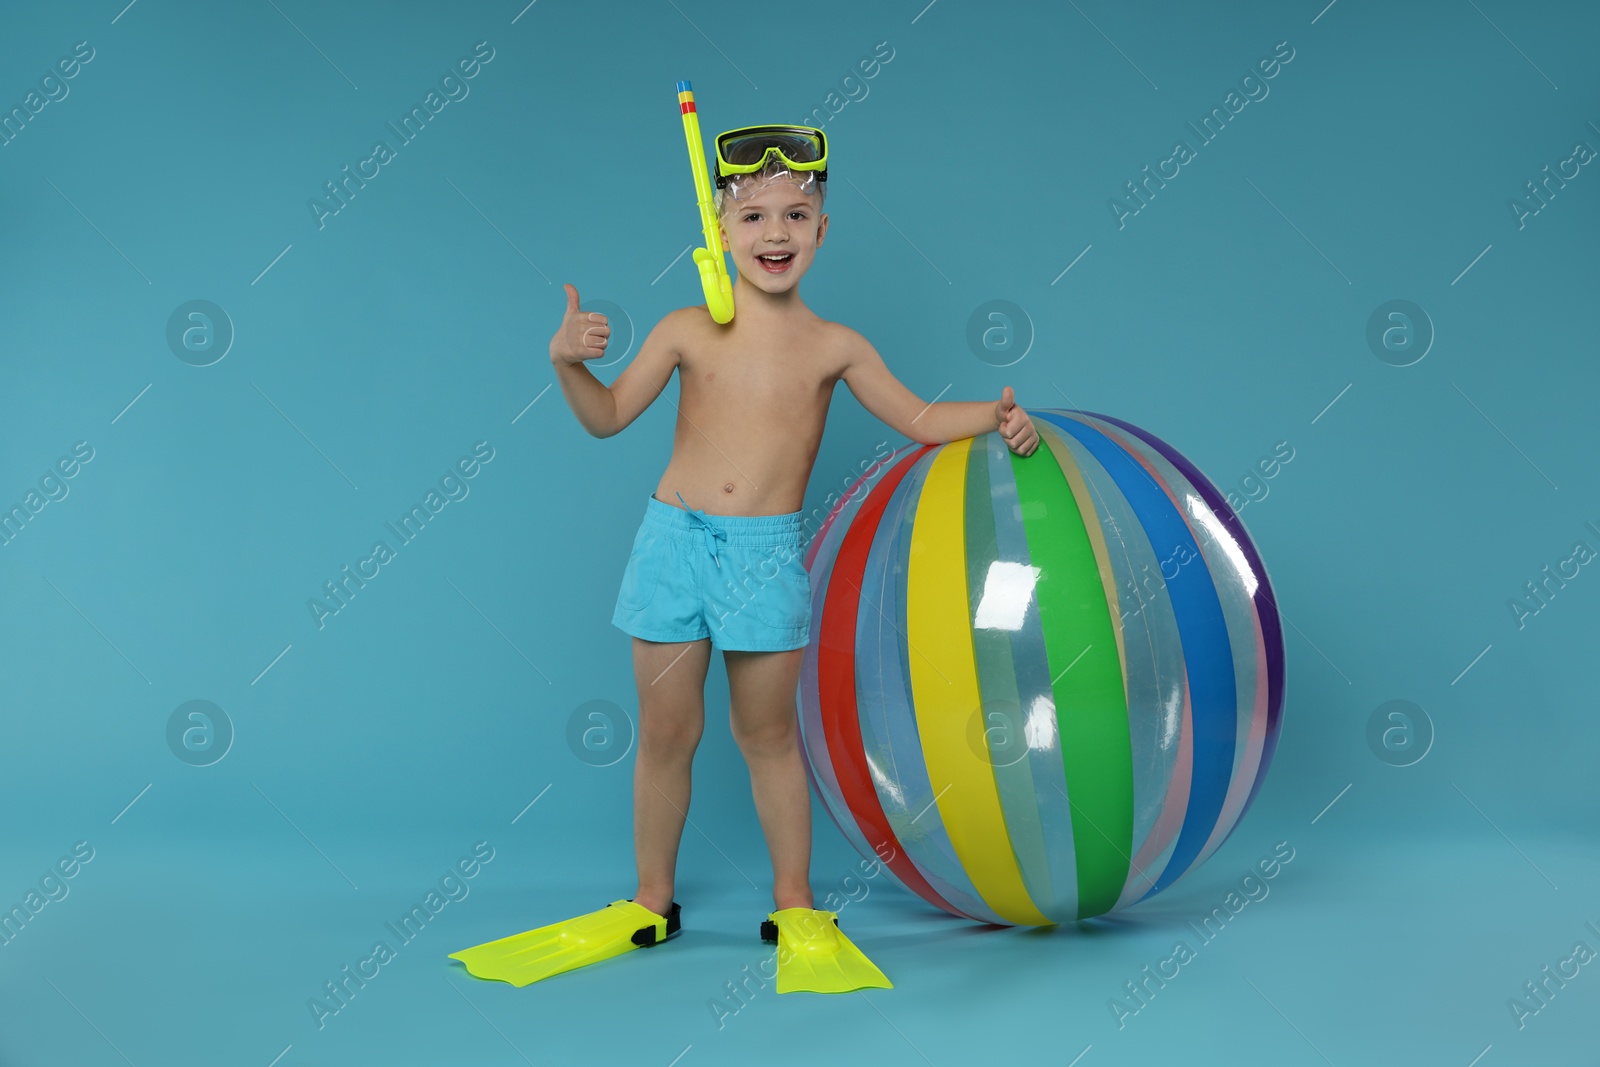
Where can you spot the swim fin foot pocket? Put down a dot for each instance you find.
(814, 955)
(525, 958)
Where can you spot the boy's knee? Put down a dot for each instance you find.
(670, 738)
(773, 736)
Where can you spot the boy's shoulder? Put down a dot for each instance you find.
(682, 325)
(844, 343)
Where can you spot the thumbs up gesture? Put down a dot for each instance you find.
(582, 334)
(1014, 425)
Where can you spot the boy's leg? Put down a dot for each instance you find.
(765, 722)
(671, 681)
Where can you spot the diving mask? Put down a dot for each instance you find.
(752, 157)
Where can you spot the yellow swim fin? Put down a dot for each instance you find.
(814, 956)
(524, 958)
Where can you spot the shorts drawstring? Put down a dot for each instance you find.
(710, 529)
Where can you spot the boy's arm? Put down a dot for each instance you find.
(881, 393)
(604, 411)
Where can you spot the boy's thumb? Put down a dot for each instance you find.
(572, 296)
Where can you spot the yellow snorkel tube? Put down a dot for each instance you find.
(713, 268)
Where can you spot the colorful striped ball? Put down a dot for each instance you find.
(1039, 688)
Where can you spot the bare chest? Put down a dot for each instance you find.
(774, 375)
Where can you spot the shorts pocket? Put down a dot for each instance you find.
(784, 601)
(643, 573)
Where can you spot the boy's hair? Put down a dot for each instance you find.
(772, 169)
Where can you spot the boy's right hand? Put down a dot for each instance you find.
(582, 335)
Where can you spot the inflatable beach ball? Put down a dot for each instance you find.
(1043, 688)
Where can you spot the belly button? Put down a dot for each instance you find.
(728, 488)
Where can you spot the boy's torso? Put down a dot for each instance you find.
(751, 410)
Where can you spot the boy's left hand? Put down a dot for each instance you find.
(1015, 427)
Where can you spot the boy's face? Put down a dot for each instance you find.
(774, 235)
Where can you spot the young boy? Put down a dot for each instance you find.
(725, 516)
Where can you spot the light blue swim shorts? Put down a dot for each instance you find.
(737, 579)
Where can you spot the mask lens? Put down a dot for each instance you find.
(744, 186)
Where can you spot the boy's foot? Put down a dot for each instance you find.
(814, 956)
(527, 957)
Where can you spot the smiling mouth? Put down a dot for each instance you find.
(775, 262)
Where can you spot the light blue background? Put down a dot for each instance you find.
(369, 755)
